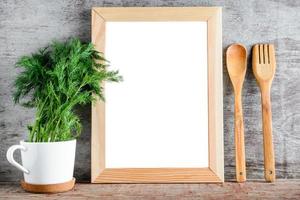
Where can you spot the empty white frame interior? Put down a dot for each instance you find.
(158, 116)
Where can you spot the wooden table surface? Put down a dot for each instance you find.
(282, 189)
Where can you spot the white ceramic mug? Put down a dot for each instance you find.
(45, 162)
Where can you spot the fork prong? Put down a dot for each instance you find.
(272, 54)
(261, 54)
(255, 51)
(266, 53)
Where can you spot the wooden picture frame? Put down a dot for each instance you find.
(215, 171)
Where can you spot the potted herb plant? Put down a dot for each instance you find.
(53, 81)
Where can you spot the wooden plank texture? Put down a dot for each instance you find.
(26, 26)
(249, 190)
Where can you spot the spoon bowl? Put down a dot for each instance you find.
(236, 57)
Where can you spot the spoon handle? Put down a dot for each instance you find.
(239, 139)
(267, 135)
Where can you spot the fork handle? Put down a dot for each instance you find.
(269, 160)
(240, 162)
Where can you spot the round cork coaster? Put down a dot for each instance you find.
(50, 188)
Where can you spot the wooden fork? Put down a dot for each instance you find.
(264, 65)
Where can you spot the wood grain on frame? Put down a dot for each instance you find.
(215, 171)
(215, 94)
(98, 108)
(157, 175)
(156, 13)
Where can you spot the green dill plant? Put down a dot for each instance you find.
(55, 80)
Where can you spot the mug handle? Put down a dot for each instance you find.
(11, 160)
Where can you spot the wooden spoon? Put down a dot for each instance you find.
(236, 57)
(264, 65)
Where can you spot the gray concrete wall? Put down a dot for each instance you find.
(26, 25)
